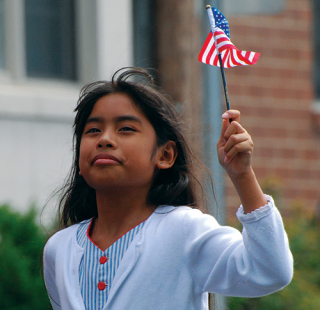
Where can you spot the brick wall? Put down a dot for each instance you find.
(275, 98)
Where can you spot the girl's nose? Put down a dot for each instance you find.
(101, 145)
(106, 141)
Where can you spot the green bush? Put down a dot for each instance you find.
(304, 290)
(21, 244)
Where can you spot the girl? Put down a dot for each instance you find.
(130, 239)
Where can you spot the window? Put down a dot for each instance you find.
(50, 39)
(237, 7)
(38, 39)
(144, 33)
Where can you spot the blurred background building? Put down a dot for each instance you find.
(50, 48)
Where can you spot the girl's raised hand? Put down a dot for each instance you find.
(235, 145)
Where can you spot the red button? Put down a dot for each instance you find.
(103, 260)
(101, 286)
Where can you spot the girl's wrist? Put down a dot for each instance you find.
(244, 176)
(249, 190)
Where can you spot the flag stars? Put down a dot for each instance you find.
(221, 21)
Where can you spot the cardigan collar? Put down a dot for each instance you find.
(130, 257)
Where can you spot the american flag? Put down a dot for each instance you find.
(230, 55)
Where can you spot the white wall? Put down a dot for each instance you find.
(35, 142)
(36, 116)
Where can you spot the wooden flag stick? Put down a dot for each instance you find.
(224, 81)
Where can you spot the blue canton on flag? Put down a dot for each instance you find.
(221, 22)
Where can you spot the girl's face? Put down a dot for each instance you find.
(118, 146)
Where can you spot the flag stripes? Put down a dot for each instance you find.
(231, 56)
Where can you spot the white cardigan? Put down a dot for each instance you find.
(179, 255)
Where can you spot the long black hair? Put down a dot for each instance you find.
(175, 186)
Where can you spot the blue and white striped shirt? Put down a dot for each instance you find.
(98, 268)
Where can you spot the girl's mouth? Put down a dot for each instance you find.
(105, 159)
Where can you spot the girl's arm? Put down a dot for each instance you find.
(235, 149)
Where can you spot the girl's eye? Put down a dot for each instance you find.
(127, 128)
(93, 130)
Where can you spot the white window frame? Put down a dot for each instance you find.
(316, 106)
(14, 45)
(104, 44)
(104, 40)
(15, 49)
(22, 97)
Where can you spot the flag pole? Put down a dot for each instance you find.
(224, 81)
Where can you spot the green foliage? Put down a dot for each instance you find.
(304, 290)
(21, 244)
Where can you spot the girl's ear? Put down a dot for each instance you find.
(168, 155)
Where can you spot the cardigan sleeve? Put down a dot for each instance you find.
(223, 261)
(49, 274)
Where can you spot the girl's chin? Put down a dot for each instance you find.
(105, 184)
(114, 185)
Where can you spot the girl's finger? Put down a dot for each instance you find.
(232, 114)
(242, 147)
(234, 128)
(225, 124)
(236, 139)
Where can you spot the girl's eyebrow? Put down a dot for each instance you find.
(94, 120)
(117, 119)
(123, 118)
